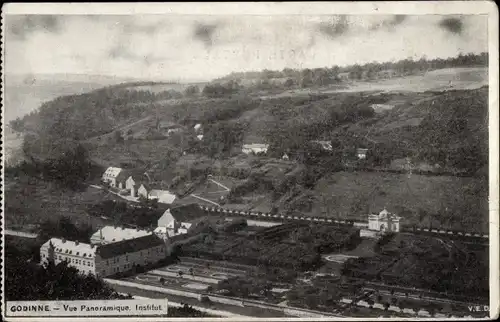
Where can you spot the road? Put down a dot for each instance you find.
(220, 184)
(206, 200)
(249, 311)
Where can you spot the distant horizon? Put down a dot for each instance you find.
(190, 81)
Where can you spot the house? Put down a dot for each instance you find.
(121, 179)
(197, 127)
(134, 182)
(325, 145)
(285, 157)
(199, 137)
(163, 196)
(361, 153)
(144, 190)
(384, 222)
(179, 220)
(254, 148)
(112, 234)
(110, 176)
(344, 76)
(105, 260)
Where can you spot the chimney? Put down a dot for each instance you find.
(76, 243)
(63, 240)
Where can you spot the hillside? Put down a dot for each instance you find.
(25, 93)
(443, 131)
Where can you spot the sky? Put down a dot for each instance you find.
(200, 48)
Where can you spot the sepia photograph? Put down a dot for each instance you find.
(272, 161)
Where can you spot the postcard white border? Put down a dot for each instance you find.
(317, 8)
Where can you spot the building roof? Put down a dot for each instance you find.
(362, 150)
(163, 196)
(112, 171)
(186, 213)
(123, 176)
(128, 246)
(384, 214)
(197, 126)
(71, 247)
(115, 234)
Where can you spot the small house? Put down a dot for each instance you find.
(384, 222)
(134, 182)
(110, 176)
(121, 179)
(379, 108)
(285, 157)
(361, 153)
(199, 137)
(179, 220)
(255, 148)
(197, 127)
(144, 190)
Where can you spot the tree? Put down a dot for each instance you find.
(191, 90)
(401, 305)
(28, 281)
(289, 83)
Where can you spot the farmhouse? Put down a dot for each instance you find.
(144, 190)
(179, 220)
(344, 76)
(134, 182)
(384, 222)
(111, 234)
(254, 148)
(121, 179)
(110, 176)
(361, 153)
(107, 259)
